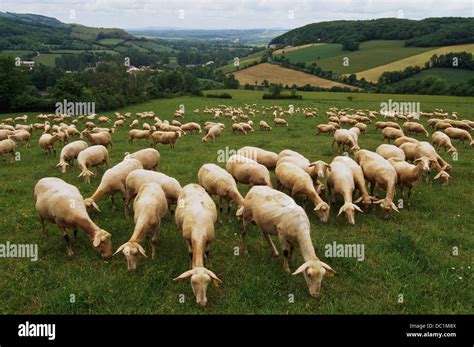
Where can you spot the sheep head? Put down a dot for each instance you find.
(349, 209)
(320, 167)
(314, 272)
(62, 165)
(322, 210)
(387, 205)
(87, 175)
(132, 251)
(444, 176)
(425, 164)
(200, 279)
(90, 203)
(102, 242)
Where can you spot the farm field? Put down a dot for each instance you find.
(373, 74)
(244, 62)
(370, 55)
(295, 48)
(450, 75)
(410, 253)
(255, 75)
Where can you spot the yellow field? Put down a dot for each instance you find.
(373, 75)
(277, 74)
(291, 49)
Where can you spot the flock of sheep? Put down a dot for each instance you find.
(153, 193)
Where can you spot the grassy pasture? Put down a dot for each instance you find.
(409, 254)
(451, 76)
(244, 62)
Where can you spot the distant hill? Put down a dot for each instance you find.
(428, 32)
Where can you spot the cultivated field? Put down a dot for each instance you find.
(295, 48)
(410, 253)
(450, 75)
(255, 75)
(373, 74)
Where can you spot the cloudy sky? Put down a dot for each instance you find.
(219, 14)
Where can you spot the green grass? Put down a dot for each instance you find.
(450, 75)
(48, 59)
(244, 62)
(110, 42)
(16, 53)
(371, 54)
(410, 253)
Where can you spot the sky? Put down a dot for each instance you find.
(231, 14)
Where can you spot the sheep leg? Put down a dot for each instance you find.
(70, 252)
(43, 229)
(112, 198)
(154, 240)
(409, 197)
(125, 209)
(190, 252)
(229, 204)
(243, 236)
(75, 235)
(220, 209)
(273, 249)
(287, 252)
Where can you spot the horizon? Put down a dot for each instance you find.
(228, 14)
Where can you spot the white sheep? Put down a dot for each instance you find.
(214, 132)
(69, 153)
(343, 138)
(275, 213)
(248, 171)
(459, 134)
(136, 134)
(47, 142)
(102, 138)
(390, 151)
(261, 156)
(149, 157)
(8, 146)
(149, 207)
(196, 215)
(280, 121)
(264, 125)
(165, 137)
(91, 157)
(61, 203)
(441, 140)
(390, 133)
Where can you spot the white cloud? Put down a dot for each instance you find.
(232, 13)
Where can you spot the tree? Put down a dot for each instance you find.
(67, 88)
(275, 89)
(230, 82)
(13, 81)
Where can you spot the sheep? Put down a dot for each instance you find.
(191, 126)
(139, 177)
(390, 151)
(409, 148)
(149, 157)
(61, 203)
(69, 153)
(134, 123)
(275, 213)
(247, 127)
(264, 125)
(91, 157)
(4, 134)
(217, 181)
(165, 137)
(298, 182)
(390, 133)
(442, 125)
(361, 126)
(440, 139)
(380, 125)
(409, 174)
(239, 128)
(341, 181)
(425, 149)
(460, 134)
(21, 136)
(214, 132)
(47, 142)
(381, 174)
(149, 207)
(326, 128)
(8, 146)
(401, 140)
(343, 137)
(196, 215)
(248, 171)
(119, 123)
(102, 138)
(136, 134)
(280, 121)
(413, 127)
(113, 182)
(261, 156)
(393, 125)
(444, 176)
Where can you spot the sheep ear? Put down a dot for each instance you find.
(438, 175)
(120, 249)
(319, 206)
(359, 200)
(97, 240)
(96, 206)
(240, 212)
(395, 207)
(328, 167)
(215, 280)
(341, 210)
(378, 201)
(301, 269)
(81, 174)
(357, 208)
(330, 271)
(184, 275)
(141, 250)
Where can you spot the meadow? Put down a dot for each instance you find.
(411, 253)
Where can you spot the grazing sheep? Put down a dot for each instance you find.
(61, 203)
(280, 121)
(91, 157)
(326, 128)
(137, 178)
(381, 175)
(248, 171)
(214, 132)
(217, 181)
(149, 207)
(8, 146)
(390, 133)
(459, 134)
(134, 123)
(113, 182)
(413, 127)
(47, 142)
(440, 139)
(380, 125)
(149, 157)
(343, 138)
(444, 177)
(409, 148)
(409, 174)
(165, 137)
(191, 126)
(275, 213)
(341, 181)
(442, 125)
(102, 138)
(261, 156)
(136, 134)
(401, 140)
(425, 149)
(299, 182)
(390, 151)
(4, 134)
(239, 128)
(69, 153)
(21, 136)
(196, 215)
(361, 126)
(264, 125)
